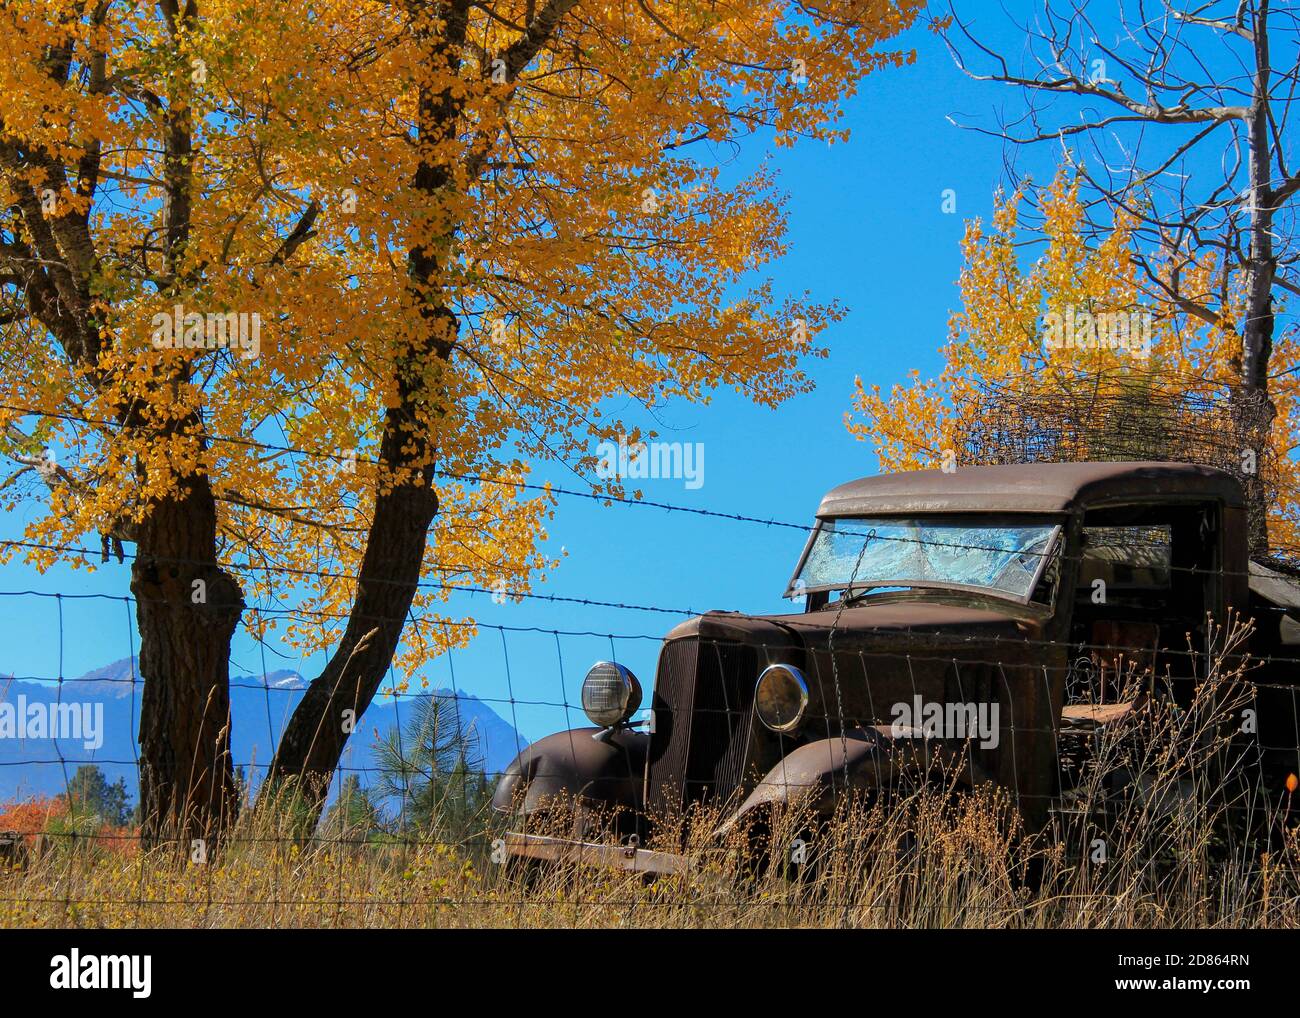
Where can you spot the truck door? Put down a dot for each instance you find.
(1148, 580)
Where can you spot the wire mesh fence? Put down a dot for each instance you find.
(993, 777)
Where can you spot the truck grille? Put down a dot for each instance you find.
(702, 704)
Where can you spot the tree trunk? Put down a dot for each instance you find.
(1252, 414)
(313, 741)
(188, 608)
(1253, 408)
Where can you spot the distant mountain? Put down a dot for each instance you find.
(259, 707)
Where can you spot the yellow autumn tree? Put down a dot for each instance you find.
(291, 295)
(1079, 321)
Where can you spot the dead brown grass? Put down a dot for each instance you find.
(1189, 842)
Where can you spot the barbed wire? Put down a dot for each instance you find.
(505, 592)
(806, 621)
(547, 488)
(467, 477)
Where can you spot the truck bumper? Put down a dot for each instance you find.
(629, 858)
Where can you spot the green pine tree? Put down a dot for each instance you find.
(428, 767)
(90, 795)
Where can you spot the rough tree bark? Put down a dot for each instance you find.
(187, 608)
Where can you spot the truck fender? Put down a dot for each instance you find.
(604, 775)
(876, 758)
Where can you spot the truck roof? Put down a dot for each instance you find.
(1027, 487)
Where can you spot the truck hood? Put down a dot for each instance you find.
(891, 622)
(922, 618)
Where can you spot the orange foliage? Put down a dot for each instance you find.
(31, 816)
(43, 815)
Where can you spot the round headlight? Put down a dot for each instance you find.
(781, 697)
(610, 694)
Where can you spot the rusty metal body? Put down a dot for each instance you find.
(928, 645)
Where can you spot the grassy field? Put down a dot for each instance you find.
(1181, 841)
(925, 863)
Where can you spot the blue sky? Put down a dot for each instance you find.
(866, 229)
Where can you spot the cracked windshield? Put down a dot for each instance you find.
(974, 552)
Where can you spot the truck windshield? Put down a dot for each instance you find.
(967, 552)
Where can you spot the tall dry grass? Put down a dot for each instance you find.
(1166, 828)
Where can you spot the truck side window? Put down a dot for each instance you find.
(1132, 562)
(1146, 578)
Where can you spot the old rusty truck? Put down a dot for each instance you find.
(974, 618)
